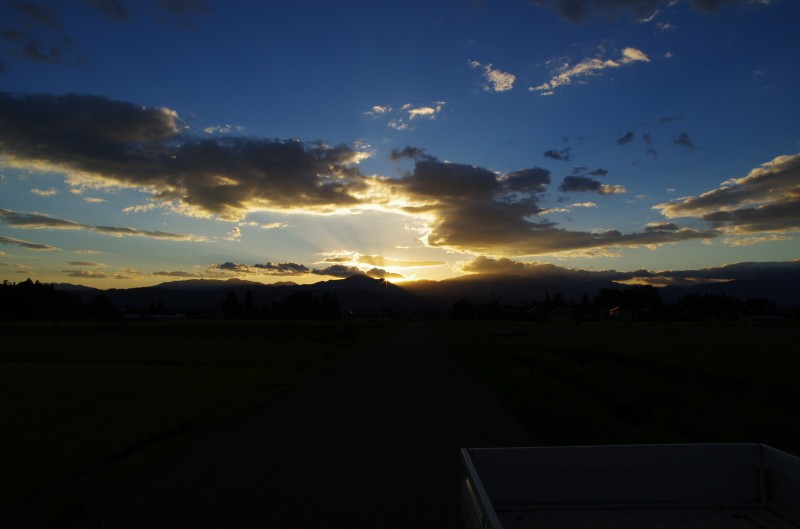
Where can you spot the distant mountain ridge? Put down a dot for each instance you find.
(363, 293)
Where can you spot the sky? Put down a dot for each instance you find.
(306, 140)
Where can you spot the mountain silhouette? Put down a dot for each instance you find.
(362, 293)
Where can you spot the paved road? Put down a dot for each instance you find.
(371, 444)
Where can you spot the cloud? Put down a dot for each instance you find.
(100, 142)
(684, 141)
(504, 265)
(37, 221)
(750, 241)
(282, 269)
(378, 273)
(582, 184)
(589, 67)
(340, 271)
(177, 273)
(563, 154)
(44, 16)
(268, 268)
(26, 45)
(496, 80)
(26, 244)
(426, 112)
(94, 200)
(376, 260)
(625, 138)
(49, 192)
(229, 266)
(412, 153)
(766, 200)
(111, 8)
(234, 235)
(91, 274)
(85, 263)
(185, 8)
(641, 10)
(473, 209)
(378, 110)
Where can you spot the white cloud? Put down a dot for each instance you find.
(49, 192)
(427, 112)
(496, 80)
(589, 67)
(93, 200)
(234, 235)
(378, 110)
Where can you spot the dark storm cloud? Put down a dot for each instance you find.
(116, 143)
(340, 271)
(231, 267)
(44, 16)
(184, 8)
(504, 265)
(476, 210)
(581, 184)
(412, 153)
(767, 199)
(651, 150)
(282, 269)
(37, 221)
(111, 8)
(581, 10)
(684, 141)
(625, 138)
(736, 271)
(26, 244)
(533, 180)
(268, 268)
(24, 44)
(563, 154)
(663, 226)
(780, 216)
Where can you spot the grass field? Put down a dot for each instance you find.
(642, 383)
(92, 406)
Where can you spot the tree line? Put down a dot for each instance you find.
(642, 303)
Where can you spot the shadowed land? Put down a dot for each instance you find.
(374, 442)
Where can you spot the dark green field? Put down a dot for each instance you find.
(91, 406)
(642, 383)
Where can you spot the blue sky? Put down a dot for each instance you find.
(298, 141)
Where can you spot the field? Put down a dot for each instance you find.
(91, 406)
(618, 383)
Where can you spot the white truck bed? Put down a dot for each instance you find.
(725, 486)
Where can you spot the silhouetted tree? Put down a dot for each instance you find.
(231, 307)
(463, 309)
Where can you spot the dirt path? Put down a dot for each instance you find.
(372, 444)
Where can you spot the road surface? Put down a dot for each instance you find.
(372, 444)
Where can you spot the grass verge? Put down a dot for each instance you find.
(90, 408)
(642, 383)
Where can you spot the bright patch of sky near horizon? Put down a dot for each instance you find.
(612, 115)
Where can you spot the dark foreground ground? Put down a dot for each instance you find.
(372, 444)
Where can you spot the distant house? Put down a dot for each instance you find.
(562, 315)
(621, 314)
